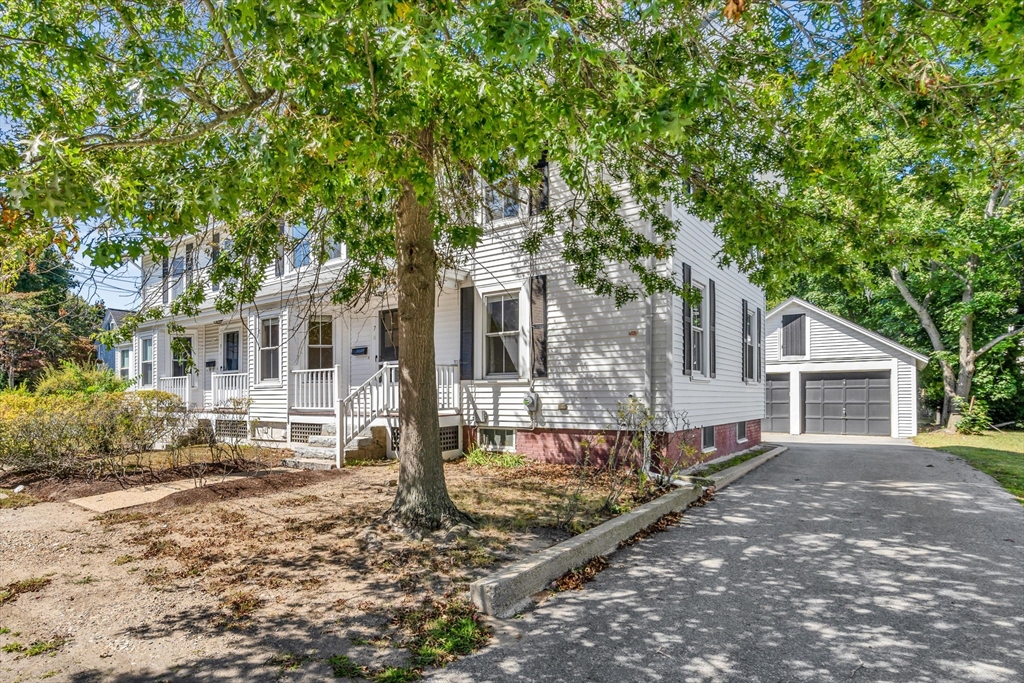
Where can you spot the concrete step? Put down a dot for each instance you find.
(316, 452)
(308, 463)
(331, 441)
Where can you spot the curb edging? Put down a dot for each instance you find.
(507, 592)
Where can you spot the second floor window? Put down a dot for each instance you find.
(177, 276)
(270, 349)
(502, 336)
(501, 201)
(146, 363)
(301, 252)
(321, 343)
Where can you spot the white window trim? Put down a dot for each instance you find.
(333, 346)
(505, 221)
(270, 381)
(524, 359)
(702, 374)
(123, 367)
(152, 361)
(243, 354)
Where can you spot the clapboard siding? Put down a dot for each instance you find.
(906, 387)
(726, 397)
(269, 400)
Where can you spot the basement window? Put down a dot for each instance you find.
(707, 439)
(497, 439)
(741, 431)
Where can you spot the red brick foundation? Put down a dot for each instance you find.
(566, 445)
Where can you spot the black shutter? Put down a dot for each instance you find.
(467, 313)
(687, 324)
(539, 195)
(165, 273)
(760, 345)
(214, 255)
(539, 324)
(743, 340)
(711, 328)
(794, 335)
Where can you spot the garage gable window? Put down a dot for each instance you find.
(794, 335)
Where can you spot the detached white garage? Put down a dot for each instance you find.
(827, 375)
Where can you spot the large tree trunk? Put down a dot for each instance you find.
(422, 500)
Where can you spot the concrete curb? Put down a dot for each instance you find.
(728, 476)
(507, 592)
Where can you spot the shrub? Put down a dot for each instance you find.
(478, 457)
(67, 434)
(974, 417)
(79, 378)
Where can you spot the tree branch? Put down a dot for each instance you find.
(922, 312)
(229, 52)
(998, 340)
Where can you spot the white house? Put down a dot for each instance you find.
(526, 359)
(827, 375)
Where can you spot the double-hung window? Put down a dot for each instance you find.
(270, 349)
(320, 343)
(301, 252)
(502, 336)
(501, 201)
(181, 356)
(749, 328)
(177, 276)
(124, 365)
(146, 362)
(231, 351)
(697, 333)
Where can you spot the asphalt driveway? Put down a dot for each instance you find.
(832, 562)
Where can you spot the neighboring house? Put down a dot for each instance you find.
(109, 357)
(526, 359)
(827, 375)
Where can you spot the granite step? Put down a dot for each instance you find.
(308, 463)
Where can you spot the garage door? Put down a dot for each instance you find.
(847, 403)
(776, 404)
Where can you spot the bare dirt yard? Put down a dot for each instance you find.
(283, 577)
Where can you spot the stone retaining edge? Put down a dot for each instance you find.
(507, 592)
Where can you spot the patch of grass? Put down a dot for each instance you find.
(290, 661)
(10, 500)
(13, 590)
(478, 457)
(732, 462)
(85, 580)
(394, 674)
(13, 647)
(49, 674)
(443, 632)
(998, 454)
(42, 647)
(343, 667)
(4, 631)
(125, 559)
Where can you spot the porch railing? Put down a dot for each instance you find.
(313, 389)
(179, 386)
(448, 387)
(230, 388)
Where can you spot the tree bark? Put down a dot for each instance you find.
(422, 500)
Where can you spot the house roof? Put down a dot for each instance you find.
(885, 341)
(116, 314)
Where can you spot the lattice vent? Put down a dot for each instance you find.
(301, 431)
(232, 429)
(450, 438)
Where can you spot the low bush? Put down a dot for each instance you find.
(478, 457)
(974, 417)
(79, 378)
(75, 433)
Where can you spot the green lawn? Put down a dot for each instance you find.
(999, 454)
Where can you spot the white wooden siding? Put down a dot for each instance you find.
(906, 391)
(727, 397)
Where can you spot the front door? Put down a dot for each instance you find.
(388, 336)
(231, 352)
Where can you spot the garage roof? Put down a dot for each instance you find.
(885, 341)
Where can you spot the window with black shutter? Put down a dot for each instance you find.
(687, 323)
(794, 335)
(539, 325)
(711, 329)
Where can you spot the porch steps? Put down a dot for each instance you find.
(319, 453)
